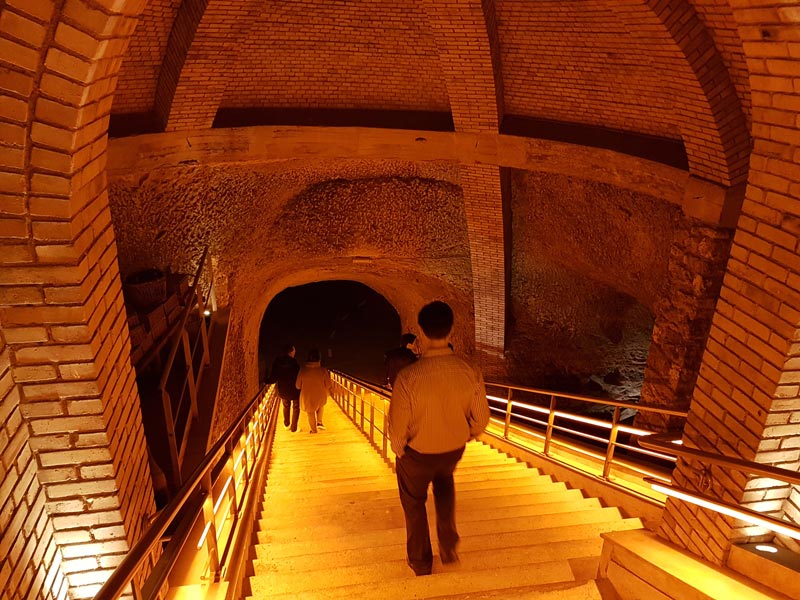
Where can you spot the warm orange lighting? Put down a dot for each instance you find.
(634, 430)
(222, 493)
(203, 537)
(238, 460)
(647, 452)
(765, 522)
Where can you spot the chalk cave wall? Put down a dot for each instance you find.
(590, 261)
(282, 224)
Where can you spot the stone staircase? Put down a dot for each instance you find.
(331, 526)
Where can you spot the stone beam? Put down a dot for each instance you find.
(706, 201)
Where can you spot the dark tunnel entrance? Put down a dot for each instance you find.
(351, 324)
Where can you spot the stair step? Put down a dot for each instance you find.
(466, 502)
(516, 485)
(557, 591)
(407, 586)
(288, 499)
(469, 540)
(336, 530)
(474, 560)
(390, 514)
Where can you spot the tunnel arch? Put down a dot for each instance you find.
(406, 291)
(349, 322)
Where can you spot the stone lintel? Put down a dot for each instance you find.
(712, 203)
(144, 153)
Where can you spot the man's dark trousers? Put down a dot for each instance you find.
(294, 404)
(414, 472)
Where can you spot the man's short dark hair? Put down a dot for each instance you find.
(408, 338)
(313, 355)
(436, 320)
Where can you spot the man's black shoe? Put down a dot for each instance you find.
(419, 572)
(448, 556)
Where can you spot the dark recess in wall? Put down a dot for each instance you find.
(386, 119)
(662, 150)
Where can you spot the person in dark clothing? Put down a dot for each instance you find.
(284, 374)
(400, 357)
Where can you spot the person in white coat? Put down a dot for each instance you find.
(314, 383)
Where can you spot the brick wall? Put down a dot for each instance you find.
(29, 561)
(74, 410)
(467, 40)
(196, 65)
(138, 75)
(576, 61)
(320, 54)
(747, 399)
(704, 102)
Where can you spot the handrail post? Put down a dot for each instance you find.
(372, 423)
(385, 434)
(551, 419)
(509, 407)
(231, 449)
(169, 421)
(362, 411)
(187, 354)
(612, 442)
(201, 310)
(210, 521)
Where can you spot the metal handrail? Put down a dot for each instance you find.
(191, 380)
(358, 399)
(251, 426)
(667, 443)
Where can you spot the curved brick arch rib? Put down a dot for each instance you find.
(469, 53)
(467, 39)
(194, 74)
(708, 112)
(747, 399)
(81, 445)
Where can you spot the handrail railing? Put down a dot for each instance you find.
(220, 484)
(541, 429)
(545, 428)
(537, 428)
(178, 416)
(668, 443)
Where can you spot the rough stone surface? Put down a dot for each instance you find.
(397, 227)
(590, 263)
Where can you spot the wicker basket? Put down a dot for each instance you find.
(145, 289)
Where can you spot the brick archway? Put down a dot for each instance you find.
(245, 319)
(747, 393)
(81, 479)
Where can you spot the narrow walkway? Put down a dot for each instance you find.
(332, 527)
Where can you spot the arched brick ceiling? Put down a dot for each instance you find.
(561, 59)
(634, 65)
(322, 54)
(575, 61)
(138, 75)
(717, 17)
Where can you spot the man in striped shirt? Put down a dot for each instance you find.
(438, 404)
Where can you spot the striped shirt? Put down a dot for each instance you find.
(438, 404)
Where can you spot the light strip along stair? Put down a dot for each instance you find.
(331, 526)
